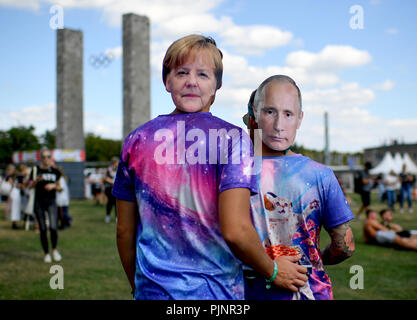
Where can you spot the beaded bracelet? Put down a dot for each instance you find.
(274, 275)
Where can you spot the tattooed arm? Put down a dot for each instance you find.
(342, 245)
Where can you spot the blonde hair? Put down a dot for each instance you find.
(180, 49)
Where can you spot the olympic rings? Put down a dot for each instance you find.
(101, 60)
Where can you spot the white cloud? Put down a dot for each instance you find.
(181, 25)
(347, 95)
(44, 118)
(158, 11)
(115, 53)
(36, 4)
(170, 20)
(242, 74)
(41, 117)
(34, 114)
(387, 85)
(254, 39)
(249, 40)
(233, 97)
(352, 130)
(24, 4)
(331, 58)
(106, 128)
(404, 123)
(310, 70)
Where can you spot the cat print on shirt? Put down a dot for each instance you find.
(282, 221)
(282, 226)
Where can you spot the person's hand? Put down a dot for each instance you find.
(290, 274)
(50, 186)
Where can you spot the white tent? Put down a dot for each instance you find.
(411, 166)
(398, 163)
(395, 163)
(385, 166)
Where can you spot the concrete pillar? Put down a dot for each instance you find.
(69, 104)
(136, 72)
(69, 99)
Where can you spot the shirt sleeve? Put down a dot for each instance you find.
(58, 174)
(124, 184)
(336, 208)
(237, 172)
(31, 178)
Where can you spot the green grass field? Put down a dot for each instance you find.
(92, 268)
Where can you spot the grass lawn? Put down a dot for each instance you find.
(91, 264)
(92, 269)
(387, 273)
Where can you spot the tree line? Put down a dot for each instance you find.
(23, 138)
(98, 149)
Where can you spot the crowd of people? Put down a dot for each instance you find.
(392, 188)
(99, 186)
(37, 197)
(18, 194)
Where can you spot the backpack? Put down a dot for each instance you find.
(5, 188)
(357, 183)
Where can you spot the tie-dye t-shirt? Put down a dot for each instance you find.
(174, 167)
(296, 197)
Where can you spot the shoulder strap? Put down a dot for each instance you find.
(34, 172)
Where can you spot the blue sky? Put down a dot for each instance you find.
(365, 78)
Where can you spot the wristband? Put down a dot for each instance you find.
(274, 275)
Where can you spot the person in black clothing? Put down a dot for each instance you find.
(108, 187)
(46, 183)
(367, 185)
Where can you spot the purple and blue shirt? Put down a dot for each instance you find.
(296, 198)
(174, 167)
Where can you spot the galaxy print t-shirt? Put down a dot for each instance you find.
(296, 197)
(175, 167)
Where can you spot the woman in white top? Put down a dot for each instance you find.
(391, 182)
(62, 202)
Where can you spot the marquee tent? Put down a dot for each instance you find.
(398, 160)
(395, 163)
(385, 166)
(411, 166)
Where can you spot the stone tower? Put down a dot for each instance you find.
(136, 72)
(69, 99)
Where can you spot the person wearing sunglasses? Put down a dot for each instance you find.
(45, 180)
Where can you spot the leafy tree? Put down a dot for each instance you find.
(298, 148)
(23, 138)
(5, 148)
(98, 149)
(17, 139)
(48, 139)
